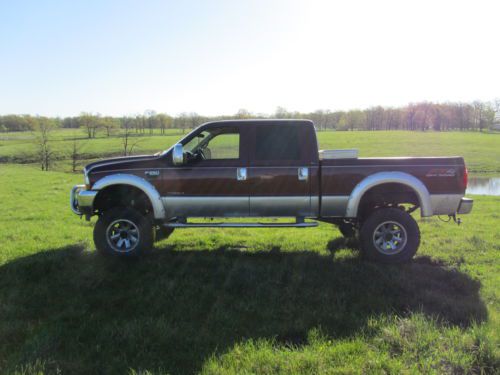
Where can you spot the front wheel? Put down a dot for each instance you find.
(390, 235)
(124, 232)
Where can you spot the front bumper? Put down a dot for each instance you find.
(465, 206)
(82, 200)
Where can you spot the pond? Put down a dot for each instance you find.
(484, 185)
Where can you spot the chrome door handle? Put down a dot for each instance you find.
(303, 173)
(241, 174)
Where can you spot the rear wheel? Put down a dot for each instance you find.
(390, 235)
(123, 231)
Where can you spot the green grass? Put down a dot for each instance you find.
(239, 300)
(480, 150)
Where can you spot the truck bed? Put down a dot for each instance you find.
(441, 175)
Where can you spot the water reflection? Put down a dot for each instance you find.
(484, 186)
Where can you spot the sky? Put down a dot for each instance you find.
(213, 57)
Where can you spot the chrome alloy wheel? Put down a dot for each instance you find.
(389, 238)
(122, 235)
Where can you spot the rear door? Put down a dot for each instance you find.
(279, 171)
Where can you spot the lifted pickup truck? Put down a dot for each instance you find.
(267, 168)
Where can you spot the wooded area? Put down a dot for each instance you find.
(423, 116)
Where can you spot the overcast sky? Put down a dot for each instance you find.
(215, 57)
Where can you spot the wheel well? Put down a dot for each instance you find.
(125, 196)
(387, 195)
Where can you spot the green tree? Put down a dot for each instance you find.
(89, 122)
(109, 123)
(164, 121)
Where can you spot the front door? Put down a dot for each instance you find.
(210, 182)
(279, 172)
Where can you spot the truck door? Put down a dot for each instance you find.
(279, 170)
(211, 183)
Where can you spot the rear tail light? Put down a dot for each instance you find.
(465, 178)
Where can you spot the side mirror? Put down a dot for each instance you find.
(178, 154)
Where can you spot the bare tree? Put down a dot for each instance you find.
(128, 140)
(496, 105)
(165, 122)
(137, 123)
(371, 119)
(496, 111)
(282, 112)
(143, 124)
(392, 119)
(478, 114)
(43, 128)
(243, 114)
(150, 117)
(411, 112)
(75, 153)
(320, 118)
(194, 120)
(183, 121)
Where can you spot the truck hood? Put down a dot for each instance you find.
(118, 163)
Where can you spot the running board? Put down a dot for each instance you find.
(241, 225)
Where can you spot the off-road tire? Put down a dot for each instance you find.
(107, 226)
(386, 228)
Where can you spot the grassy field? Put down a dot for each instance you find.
(20, 147)
(480, 150)
(295, 301)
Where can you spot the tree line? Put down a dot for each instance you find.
(425, 116)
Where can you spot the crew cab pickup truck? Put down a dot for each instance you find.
(267, 168)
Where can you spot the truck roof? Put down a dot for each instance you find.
(263, 121)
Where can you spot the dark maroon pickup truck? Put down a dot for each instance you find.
(267, 168)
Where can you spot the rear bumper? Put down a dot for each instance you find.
(465, 206)
(450, 204)
(82, 200)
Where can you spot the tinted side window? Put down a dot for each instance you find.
(277, 142)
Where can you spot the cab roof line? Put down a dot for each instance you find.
(262, 121)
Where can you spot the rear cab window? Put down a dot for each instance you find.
(281, 144)
(276, 143)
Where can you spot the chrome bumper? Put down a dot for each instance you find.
(465, 206)
(81, 200)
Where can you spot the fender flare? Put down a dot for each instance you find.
(137, 182)
(389, 177)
